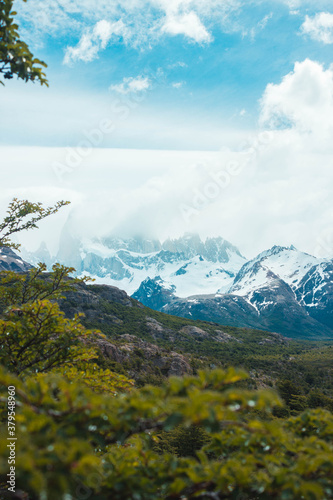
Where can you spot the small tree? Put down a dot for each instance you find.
(35, 337)
(23, 215)
(38, 338)
(15, 56)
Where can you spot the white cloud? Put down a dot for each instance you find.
(178, 64)
(178, 85)
(189, 25)
(319, 27)
(145, 20)
(132, 85)
(263, 23)
(94, 40)
(303, 100)
(292, 4)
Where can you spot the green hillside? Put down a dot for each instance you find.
(267, 356)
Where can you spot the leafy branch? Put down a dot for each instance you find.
(15, 56)
(23, 215)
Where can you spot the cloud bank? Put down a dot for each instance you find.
(276, 188)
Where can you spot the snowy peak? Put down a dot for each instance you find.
(287, 263)
(135, 245)
(213, 249)
(315, 292)
(282, 289)
(155, 293)
(253, 278)
(188, 246)
(41, 255)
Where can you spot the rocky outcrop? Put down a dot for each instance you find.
(159, 331)
(194, 331)
(89, 300)
(10, 261)
(150, 355)
(225, 337)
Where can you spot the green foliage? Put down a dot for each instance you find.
(97, 379)
(317, 399)
(37, 338)
(18, 289)
(74, 439)
(288, 390)
(22, 214)
(15, 56)
(183, 441)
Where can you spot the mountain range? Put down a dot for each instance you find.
(282, 290)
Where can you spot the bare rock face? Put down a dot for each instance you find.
(170, 363)
(274, 338)
(110, 351)
(158, 331)
(224, 337)
(154, 326)
(179, 365)
(195, 331)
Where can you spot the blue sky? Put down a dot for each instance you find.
(150, 100)
(206, 62)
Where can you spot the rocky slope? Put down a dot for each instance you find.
(149, 345)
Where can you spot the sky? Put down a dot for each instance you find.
(172, 116)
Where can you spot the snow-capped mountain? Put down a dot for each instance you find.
(315, 292)
(187, 264)
(288, 264)
(282, 289)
